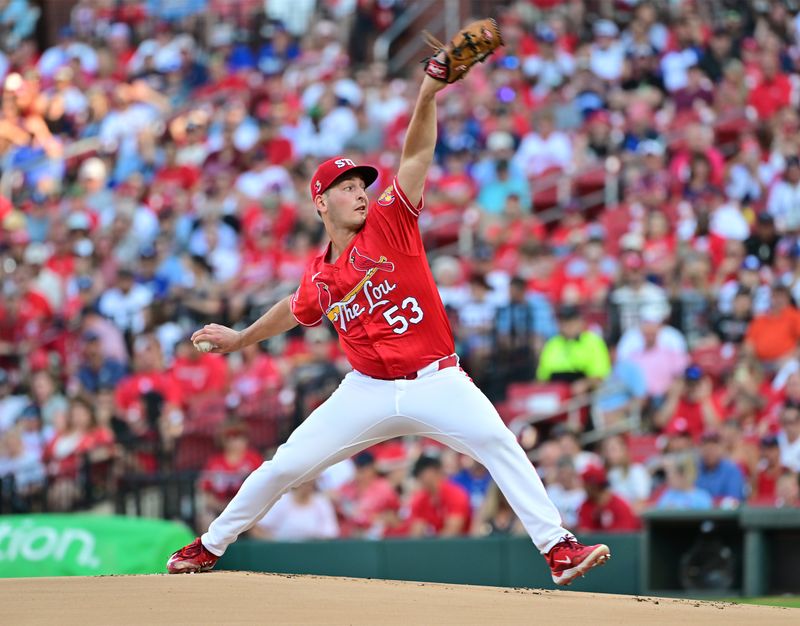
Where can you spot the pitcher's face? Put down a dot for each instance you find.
(345, 204)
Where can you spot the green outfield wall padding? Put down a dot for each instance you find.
(501, 561)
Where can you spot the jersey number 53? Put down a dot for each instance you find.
(410, 314)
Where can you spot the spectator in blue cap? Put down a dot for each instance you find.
(690, 398)
(97, 370)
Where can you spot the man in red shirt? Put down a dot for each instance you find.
(374, 285)
(198, 375)
(604, 511)
(225, 472)
(438, 507)
(368, 504)
(690, 402)
(769, 471)
(774, 91)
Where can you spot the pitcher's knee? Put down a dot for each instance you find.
(495, 437)
(285, 472)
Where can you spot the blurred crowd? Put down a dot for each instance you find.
(612, 220)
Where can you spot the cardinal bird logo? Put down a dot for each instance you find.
(362, 263)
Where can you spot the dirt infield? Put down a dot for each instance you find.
(248, 598)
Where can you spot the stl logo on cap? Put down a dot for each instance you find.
(317, 186)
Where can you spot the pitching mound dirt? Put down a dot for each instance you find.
(248, 598)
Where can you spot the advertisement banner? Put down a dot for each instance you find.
(86, 545)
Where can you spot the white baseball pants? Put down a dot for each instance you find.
(444, 405)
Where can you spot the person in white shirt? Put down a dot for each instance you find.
(301, 514)
(629, 299)
(666, 337)
(676, 63)
(727, 220)
(658, 350)
(566, 492)
(630, 481)
(607, 54)
(783, 202)
(125, 303)
(544, 149)
(550, 66)
(789, 436)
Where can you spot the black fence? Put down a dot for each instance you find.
(150, 475)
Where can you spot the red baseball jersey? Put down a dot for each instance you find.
(380, 294)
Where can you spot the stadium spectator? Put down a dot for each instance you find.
(769, 470)
(496, 517)
(773, 336)
(11, 404)
(438, 506)
(621, 395)
(603, 510)
(783, 203)
(567, 438)
(773, 91)
(630, 297)
(97, 370)
(659, 351)
(606, 54)
(543, 150)
(789, 436)
(749, 280)
(225, 471)
(78, 442)
(475, 479)
(368, 506)
(787, 491)
(718, 475)
(629, 480)
(763, 241)
(302, 514)
(691, 400)
(680, 493)
(51, 404)
(575, 356)
(517, 337)
(23, 465)
(566, 492)
(731, 328)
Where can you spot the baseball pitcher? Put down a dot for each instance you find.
(373, 284)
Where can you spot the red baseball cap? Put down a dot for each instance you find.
(595, 475)
(335, 168)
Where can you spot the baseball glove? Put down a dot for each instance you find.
(472, 45)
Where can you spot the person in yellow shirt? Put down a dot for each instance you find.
(575, 355)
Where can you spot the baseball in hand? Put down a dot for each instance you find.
(204, 346)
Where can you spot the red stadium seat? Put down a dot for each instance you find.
(642, 447)
(192, 451)
(715, 361)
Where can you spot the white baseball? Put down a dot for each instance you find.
(204, 346)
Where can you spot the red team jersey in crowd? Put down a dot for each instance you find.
(380, 294)
(452, 500)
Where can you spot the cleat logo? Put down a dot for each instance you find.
(564, 561)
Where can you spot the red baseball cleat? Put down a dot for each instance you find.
(192, 558)
(569, 559)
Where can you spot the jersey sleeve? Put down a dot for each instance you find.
(400, 218)
(305, 303)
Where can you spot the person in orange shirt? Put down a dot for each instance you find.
(773, 336)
